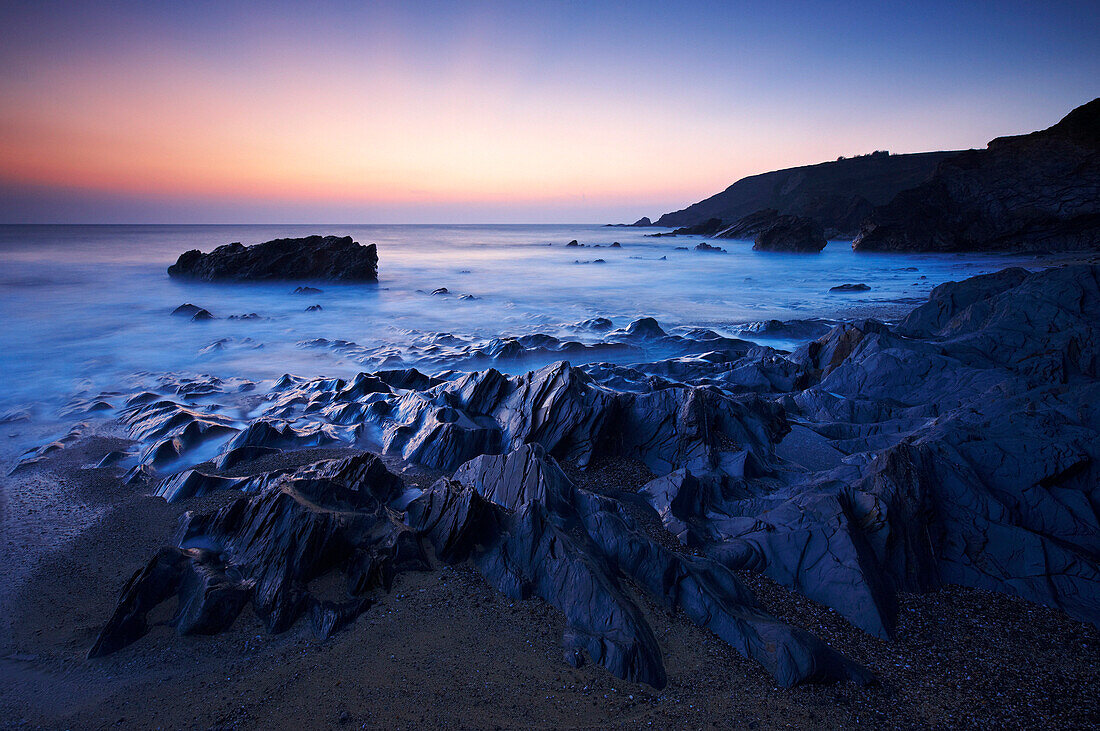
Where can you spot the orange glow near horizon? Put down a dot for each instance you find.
(441, 106)
(312, 137)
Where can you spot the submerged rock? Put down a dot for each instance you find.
(850, 288)
(328, 258)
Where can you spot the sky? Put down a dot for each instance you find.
(481, 112)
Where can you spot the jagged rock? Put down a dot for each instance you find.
(643, 221)
(791, 233)
(232, 458)
(517, 478)
(710, 227)
(328, 258)
(949, 298)
(187, 310)
(1039, 191)
(517, 517)
(330, 516)
(170, 429)
(749, 226)
(209, 600)
(832, 348)
(790, 329)
(314, 308)
(201, 316)
(705, 247)
(961, 446)
(306, 290)
(645, 327)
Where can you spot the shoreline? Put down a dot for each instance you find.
(422, 656)
(392, 665)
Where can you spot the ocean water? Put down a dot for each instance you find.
(86, 309)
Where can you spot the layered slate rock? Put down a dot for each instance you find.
(266, 549)
(532, 533)
(1035, 192)
(319, 258)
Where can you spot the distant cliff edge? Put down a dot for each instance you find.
(839, 195)
(1033, 192)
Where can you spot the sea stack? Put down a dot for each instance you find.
(313, 258)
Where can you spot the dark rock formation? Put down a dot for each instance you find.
(849, 287)
(314, 308)
(306, 290)
(531, 533)
(961, 446)
(328, 258)
(1039, 191)
(643, 221)
(266, 549)
(838, 195)
(705, 247)
(791, 233)
(187, 310)
(789, 330)
(749, 226)
(709, 227)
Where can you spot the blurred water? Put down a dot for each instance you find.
(86, 308)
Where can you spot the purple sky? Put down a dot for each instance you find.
(497, 112)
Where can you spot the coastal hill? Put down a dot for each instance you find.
(839, 194)
(1032, 192)
(1039, 191)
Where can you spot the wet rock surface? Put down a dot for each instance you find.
(958, 447)
(319, 258)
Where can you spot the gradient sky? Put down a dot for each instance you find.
(482, 112)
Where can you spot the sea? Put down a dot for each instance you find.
(88, 309)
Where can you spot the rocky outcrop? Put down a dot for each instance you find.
(267, 549)
(327, 258)
(532, 533)
(710, 227)
(707, 248)
(1036, 192)
(839, 195)
(749, 226)
(960, 446)
(791, 234)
